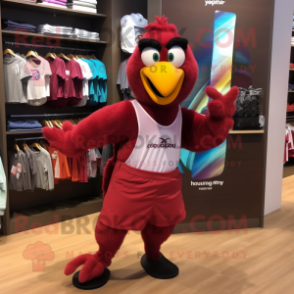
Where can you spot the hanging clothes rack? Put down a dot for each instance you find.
(29, 139)
(48, 115)
(45, 46)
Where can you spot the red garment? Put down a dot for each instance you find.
(73, 167)
(57, 78)
(78, 84)
(137, 197)
(82, 168)
(64, 169)
(73, 75)
(64, 172)
(78, 168)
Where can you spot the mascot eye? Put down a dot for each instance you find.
(176, 56)
(150, 56)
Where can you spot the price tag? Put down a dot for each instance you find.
(19, 167)
(54, 155)
(13, 170)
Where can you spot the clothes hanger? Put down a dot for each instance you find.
(25, 146)
(93, 56)
(36, 51)
(71, 56)
(9, 51)
(31, 53)
(59, 122)
(55, 123)
(49, 54)
(15, 147)
(36, 145)
(54, 52)
(42, 144)
(61, 55)
(45, 123)
(50, 122)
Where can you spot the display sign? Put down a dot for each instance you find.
(223, 188)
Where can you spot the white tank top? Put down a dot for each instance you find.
(157, 147)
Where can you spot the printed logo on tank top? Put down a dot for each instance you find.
(162, 144)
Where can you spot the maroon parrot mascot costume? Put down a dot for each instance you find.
(141, 183)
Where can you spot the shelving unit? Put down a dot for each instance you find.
(65, 193)
(39, 7)
(23, 133)
(67, 200)
(289, 166)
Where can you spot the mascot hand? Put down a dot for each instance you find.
(55, 137)
(222, 106)
(67, 126)
(61, 139)
(92, 268)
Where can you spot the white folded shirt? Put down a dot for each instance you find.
(86, 1)
(81, 4)
(82, 8)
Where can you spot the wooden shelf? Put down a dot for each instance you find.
(13, 33)
(290, 91)
(246, 132)
(23, 133)
(38, 7)
(291, 69)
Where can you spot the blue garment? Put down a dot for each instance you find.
(23, 130)
(97, 85)
(101, 69)
(103, 91)
(102, 84)
(23, 124)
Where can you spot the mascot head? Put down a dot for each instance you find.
(162, 70)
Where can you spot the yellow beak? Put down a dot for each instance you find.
(162, 81)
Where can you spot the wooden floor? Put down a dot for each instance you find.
(259, 262)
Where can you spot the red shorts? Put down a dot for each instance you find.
(136, 197)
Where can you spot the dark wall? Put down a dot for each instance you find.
(242, 194)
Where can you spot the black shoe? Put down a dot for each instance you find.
(159, 269)
(94, 283)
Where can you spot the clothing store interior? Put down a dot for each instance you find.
(147, 146)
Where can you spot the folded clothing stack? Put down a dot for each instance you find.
(56, 3)
(247, 109)
(83, 34)
(23, 125)
(47, 29)
(18, 26)
(82, 5)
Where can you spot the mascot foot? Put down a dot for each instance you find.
(92, 284)
(159, 269)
